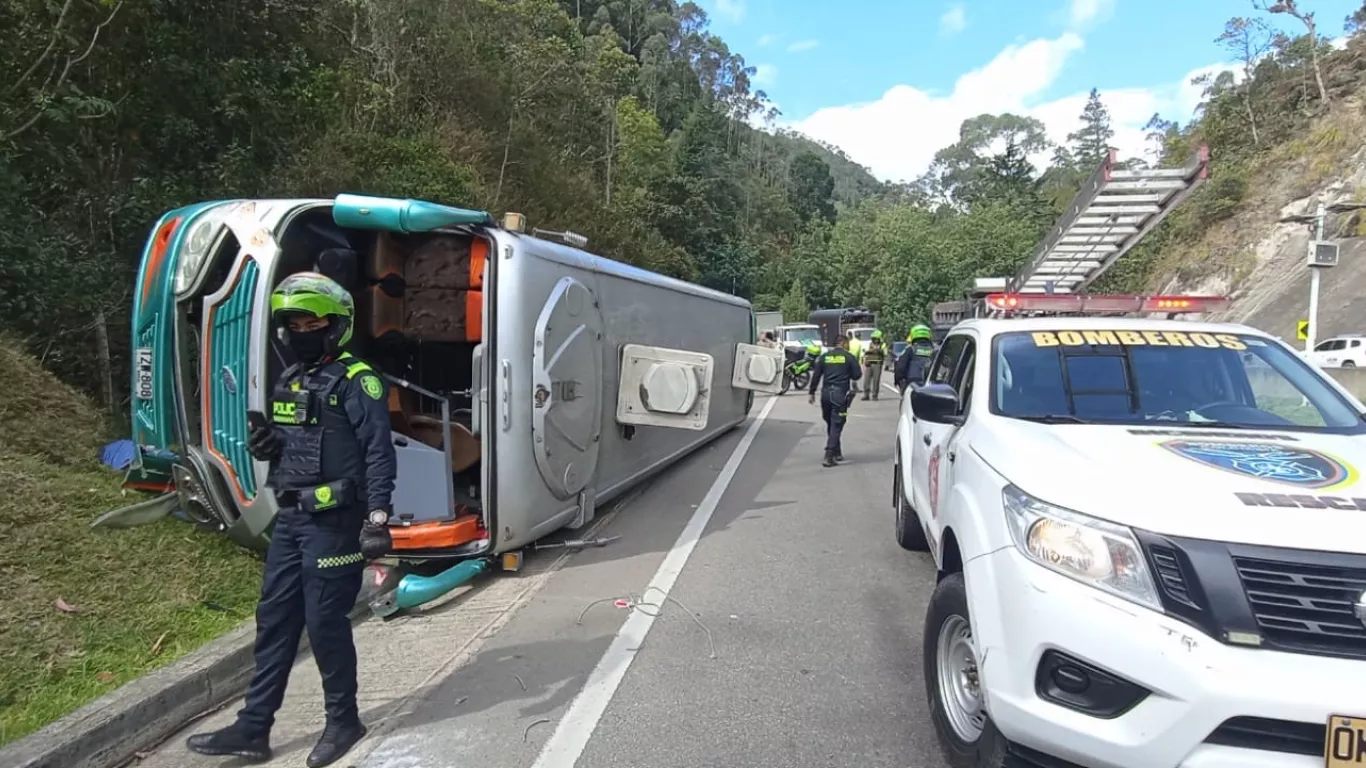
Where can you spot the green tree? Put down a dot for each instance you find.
(811, 187)
(1089, 145)
(794, 306)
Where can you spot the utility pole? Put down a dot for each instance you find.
(1321, 256)
(1319, 215)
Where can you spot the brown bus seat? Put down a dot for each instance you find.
(435, 314)
(441, 261)
(465, 448)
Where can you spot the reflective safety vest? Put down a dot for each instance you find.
(320, 445)
(856, 347)
(874, 354)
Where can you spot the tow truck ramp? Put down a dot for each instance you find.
(1114, 210)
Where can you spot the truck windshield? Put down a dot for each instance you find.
(1139, 377)
(802, 334)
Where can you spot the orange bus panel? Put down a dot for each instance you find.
(452, 533)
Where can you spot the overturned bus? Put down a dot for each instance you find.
(531, 381)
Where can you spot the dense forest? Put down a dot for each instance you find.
(625, 120)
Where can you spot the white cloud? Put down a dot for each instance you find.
(802, 45)
(734, 10)
(764, 74)
(767, 40)
(1081, 13)
(897, 135)
(954, 20)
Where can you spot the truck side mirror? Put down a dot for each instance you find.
(935, 403)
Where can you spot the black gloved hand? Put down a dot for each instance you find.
(264, 444)
(375, 539)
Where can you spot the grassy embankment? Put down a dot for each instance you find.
(86, 611)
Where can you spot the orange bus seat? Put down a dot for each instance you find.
(479, 256)
(474, 315)
(383, 297)
(385, 313)
(443, 535)
(386, 258)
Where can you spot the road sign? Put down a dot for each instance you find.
(1302, 330)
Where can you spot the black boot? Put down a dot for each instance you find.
(234, 740)
(336, 741)
(839, 456)
(829, 460)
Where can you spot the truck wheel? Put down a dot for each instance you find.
(909, 534)
(967, 737)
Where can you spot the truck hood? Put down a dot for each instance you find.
(1269, 487)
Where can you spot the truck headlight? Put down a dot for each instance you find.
(1095, 552)
(195, 252)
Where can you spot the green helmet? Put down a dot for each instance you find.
(876, 334)
(812, 348)
(315, 295)
(920, 331)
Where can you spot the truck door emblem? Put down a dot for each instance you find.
(1359, 610)
(229, 380)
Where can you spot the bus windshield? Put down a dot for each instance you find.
(803, 335)
(1138, 377)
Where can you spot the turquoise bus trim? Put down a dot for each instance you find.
(226, 378)
(390, 214)
(155, 422)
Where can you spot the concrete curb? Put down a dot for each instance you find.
(111, 730)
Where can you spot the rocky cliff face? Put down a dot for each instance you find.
(1260, 262)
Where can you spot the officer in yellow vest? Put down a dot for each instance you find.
(332, 469)
(873, 358)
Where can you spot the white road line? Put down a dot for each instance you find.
(571, 736)
(892, 388)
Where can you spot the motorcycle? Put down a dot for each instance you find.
(797, 373)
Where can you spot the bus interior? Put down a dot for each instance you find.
(420, 301)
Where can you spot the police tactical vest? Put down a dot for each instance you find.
(320, 445)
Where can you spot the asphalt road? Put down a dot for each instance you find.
(814, 611)
(804, 649)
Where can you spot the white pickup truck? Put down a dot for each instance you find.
(1151, 545)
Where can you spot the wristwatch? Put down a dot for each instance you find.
(379, 517)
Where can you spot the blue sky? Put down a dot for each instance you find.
(885, 79)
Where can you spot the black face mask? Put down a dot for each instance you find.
(309, 346)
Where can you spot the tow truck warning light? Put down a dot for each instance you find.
(1018, 302)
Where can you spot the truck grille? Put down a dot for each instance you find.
(226, 379)
(1306, 607)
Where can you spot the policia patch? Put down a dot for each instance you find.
(372, 386)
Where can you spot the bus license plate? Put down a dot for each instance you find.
(144, 373)
(1345, 742)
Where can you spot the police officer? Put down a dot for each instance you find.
(914, 363)
(873, 358)
(839, 370)
(332, 470)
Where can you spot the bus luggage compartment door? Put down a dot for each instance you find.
(566, 413)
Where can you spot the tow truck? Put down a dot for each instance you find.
(1148, 529)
